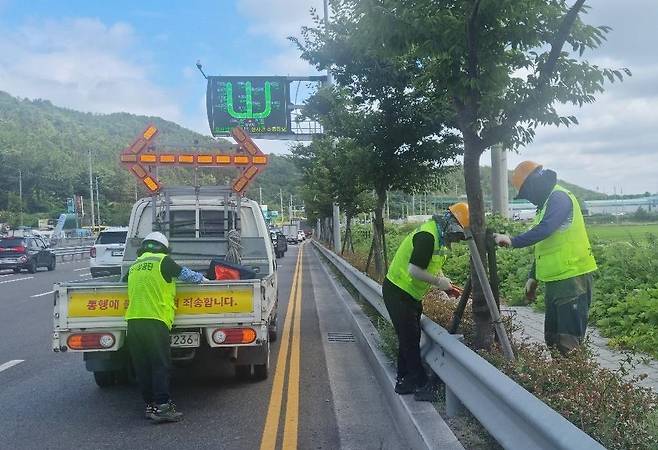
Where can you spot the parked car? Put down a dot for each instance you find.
(301, 236)
(26, 252)
(107, 253)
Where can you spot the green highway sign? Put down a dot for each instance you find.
(257, 104)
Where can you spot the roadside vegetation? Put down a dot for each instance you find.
(609, 405)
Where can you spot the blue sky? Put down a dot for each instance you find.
(139, 57)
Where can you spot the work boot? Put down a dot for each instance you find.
(166, 412)
(428, 392)
(150, 409)
(405, 386)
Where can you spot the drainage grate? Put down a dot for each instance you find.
(340, 337)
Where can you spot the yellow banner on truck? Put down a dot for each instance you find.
(188, 302)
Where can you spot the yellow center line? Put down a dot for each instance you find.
(290, 430)
(268, 440)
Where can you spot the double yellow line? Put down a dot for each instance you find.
(290, 345)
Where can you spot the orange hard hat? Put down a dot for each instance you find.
(522, 171)
(460, 211)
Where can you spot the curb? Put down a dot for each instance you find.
(420, 423)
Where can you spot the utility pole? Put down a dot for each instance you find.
(91, 196)
(20, 194)
(413, 204)
(335, 208)
(98, 203)
(260, 190)
(290, 209)
(281, 198)
(499, 189)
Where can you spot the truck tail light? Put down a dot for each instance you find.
(234, 336)
(90, 341)
(92, 252)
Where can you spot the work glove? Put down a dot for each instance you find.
(531, 289)
(502, 240)
(204, 280)
(454, 291)
(443, 283)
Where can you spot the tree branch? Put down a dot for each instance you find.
(558, 42)
(498, 133)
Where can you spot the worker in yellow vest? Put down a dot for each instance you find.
(416, 267)
(563, 255)
(150, 315)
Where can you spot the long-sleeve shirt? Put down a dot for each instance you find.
(559, 212)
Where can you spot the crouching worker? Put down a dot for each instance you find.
(416, 267)
(150, 314)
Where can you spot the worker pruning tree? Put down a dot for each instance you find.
(373, 107)
(331, 173)
(494, 70)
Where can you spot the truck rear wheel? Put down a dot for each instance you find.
(273, 330)
(105, 378)
(262, 371)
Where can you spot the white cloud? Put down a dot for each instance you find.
(83, 64)
(278, 18)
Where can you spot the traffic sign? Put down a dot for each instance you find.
(138, 161)
(259, 105)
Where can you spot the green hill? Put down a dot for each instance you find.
(50, 145)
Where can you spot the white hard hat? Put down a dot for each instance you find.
(156, 236)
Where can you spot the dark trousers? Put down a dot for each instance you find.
(567, 310)
(148, 342)
(405, 312)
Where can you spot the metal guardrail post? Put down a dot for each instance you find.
(513, 416)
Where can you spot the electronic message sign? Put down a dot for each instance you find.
(257, 104)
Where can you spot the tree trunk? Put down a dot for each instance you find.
(378, 233)
(348, 234)
(481, 317)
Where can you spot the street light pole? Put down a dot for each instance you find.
(20, 194)
(98, 203)
(91, 195)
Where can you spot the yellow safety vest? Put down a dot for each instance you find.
(398, 272)
(149, 295)
(567, 252)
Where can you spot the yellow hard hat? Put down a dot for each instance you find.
(522, 171)
(460, 211)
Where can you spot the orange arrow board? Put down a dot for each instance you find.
(134, 159)
(249, 146)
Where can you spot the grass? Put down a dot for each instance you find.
(622, 232)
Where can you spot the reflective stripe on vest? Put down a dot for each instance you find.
(398, 273)
(149, 295)
(567, 252)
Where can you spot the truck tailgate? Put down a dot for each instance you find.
(103, 305)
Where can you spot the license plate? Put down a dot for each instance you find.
(184, 339)
(117, 252)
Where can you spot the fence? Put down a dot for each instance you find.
(513, 416)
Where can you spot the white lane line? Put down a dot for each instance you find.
(85, 275)
(6, 275)
(82, 268)
(11, 363)
(16, 279)
(42, 294)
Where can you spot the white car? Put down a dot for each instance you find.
(107, 253)
(301, 236)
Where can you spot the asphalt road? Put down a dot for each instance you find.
(49, 400)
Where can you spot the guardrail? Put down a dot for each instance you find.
(513, 416)
(63, 252)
